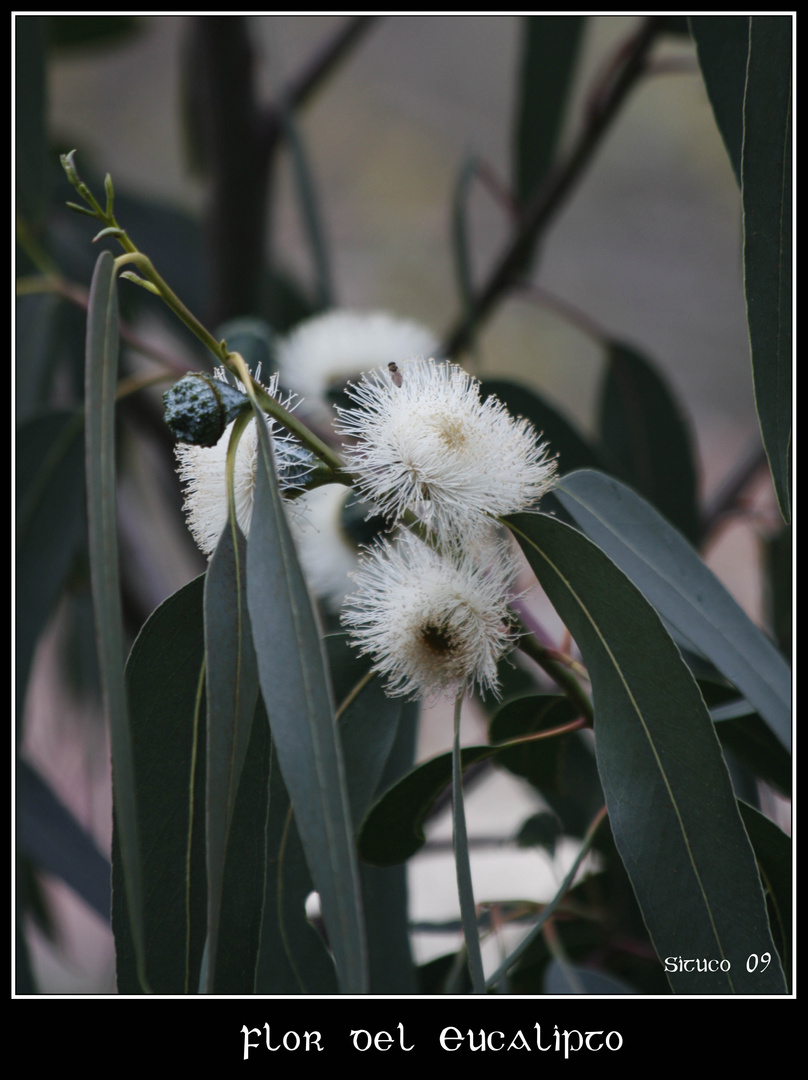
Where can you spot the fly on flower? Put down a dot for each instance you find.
(395, 374)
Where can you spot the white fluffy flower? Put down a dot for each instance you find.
(324, 352)
(435, 624)
(426, 442)
(202, 470)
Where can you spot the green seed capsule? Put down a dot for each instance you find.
(198, 408)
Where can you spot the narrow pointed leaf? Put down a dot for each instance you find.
(167, 709)
(244, 879)
(367, 724)
(100, 387)
(393, 829)
(772, 849)
(293, 957)
(670, 801)
(550, 48)
(232, 691)
(683, 590)
(722, 46)
(49, 834)
(766, 193)
(299, 703)
(648, 438)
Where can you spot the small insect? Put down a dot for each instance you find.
(395, 374)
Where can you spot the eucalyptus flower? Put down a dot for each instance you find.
(202, 470)
(424, 441)
(321, 354)
(435, 624)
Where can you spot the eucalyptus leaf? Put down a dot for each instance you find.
(670, 801)
(368, 722)
(244, 878)
(49, 834)
(101, 384)
(550, 49)
(767, 223)
(293, 957)
(684, 591)
(773, 853)
(232, 691)
(722, 46)
(299, 703)
(166, 692)
(392, 830)
(644, 430)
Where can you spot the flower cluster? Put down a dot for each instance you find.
(425, 450)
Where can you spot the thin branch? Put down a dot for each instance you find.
(322, 62)
(725, 499)
(551, 195)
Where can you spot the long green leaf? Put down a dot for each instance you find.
(549, 56)
(368, 722)
(670, 801)
(49, 834)
(683, 590)
(167, 713)
(766, 195)
(722, 46)
(232, 691)
(648, 438)
(773, 853)
(244, 882)
(293, 958)
(298, 698)
(392, 830)
(100, 386)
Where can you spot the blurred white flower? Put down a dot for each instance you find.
(202, 470)
(328, 533)
(324, 352)
(435, 624)
(426, 442)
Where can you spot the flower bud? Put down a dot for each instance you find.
(198, 408)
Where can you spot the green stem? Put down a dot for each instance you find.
(144, 264)
(468, 912)
(526, 942)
